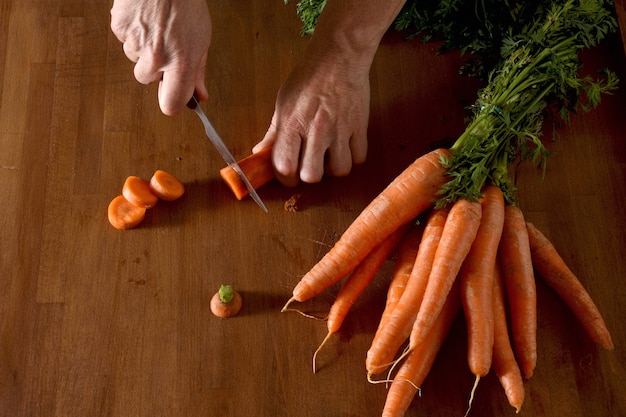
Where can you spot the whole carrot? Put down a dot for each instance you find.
(407, 252)
(408, 195)
(356, 283)
(519, 282)
(456, 240)
(554, 271)
(417, 364)
(476, 281)
(504, 364)
(397, 328)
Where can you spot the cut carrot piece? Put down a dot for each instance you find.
(137, 191)
(123, 214)
(257, 168)
(165, 186)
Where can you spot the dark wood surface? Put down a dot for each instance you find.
(99, 322)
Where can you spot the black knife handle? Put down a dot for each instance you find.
(193, 101)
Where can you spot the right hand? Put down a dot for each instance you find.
(168, 41)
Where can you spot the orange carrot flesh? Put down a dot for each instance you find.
(476, 281)
(519, 282)
(124, 215)
(407, 253)
(408, 195)
(553, 270)
(137, 191)
(504, 363)
(456, 240)
(359, 280)
(356, 283)
(418, 363)
(257, 168)
(166, 186)
(396, 330)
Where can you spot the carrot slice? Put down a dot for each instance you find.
(137, 191)
(123, 214)
(165, 186)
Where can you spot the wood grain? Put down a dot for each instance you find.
(99, 322)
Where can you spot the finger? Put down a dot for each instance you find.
(286, 158)
(200, 89)
(312, 165)
(339, 159)
(358, 147)
(130, 51)
(175, 90)
(146, 72)
(268, 139)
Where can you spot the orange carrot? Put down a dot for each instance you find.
(360, 278)
(409, 194)
(257, 168)
(165, 186)
(226, 302)
(356, 284)
(137, 191)
(476, 281)
(552, 268)
(456, 240)
(407, 252)
(519, 281)
(417, 364)
(396, 330)
(504, 364)
(123, 214)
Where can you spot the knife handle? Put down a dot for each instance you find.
(257, 168)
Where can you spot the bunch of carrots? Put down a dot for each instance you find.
(474, 256)
(475, 251)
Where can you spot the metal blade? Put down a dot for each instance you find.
(219, 144)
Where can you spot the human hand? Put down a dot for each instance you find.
(320, 122)
(168, 41)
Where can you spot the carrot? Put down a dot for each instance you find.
(226, 302)
(552, 268)
(356, 284)
(407, 252)
(397, 328)
(166, 186)
(137, 191)
(504, 364)
(257, 168)
(409, 194)
(360, 278)
(476, 281)
(418, 363)
(123, 214)
(519, 281)
(456, 240)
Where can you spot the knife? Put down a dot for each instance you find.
(223, 150)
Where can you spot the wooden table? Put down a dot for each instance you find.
(100, 322)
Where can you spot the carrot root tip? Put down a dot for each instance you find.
(318, 350)
(471, 399)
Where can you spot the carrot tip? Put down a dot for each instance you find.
(320, 348)
(286, 306)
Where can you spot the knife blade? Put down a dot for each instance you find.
(221, 147)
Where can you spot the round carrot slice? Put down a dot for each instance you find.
(123, 214)
(166, 186)
(137, 191)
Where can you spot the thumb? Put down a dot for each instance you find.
(175, 90)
